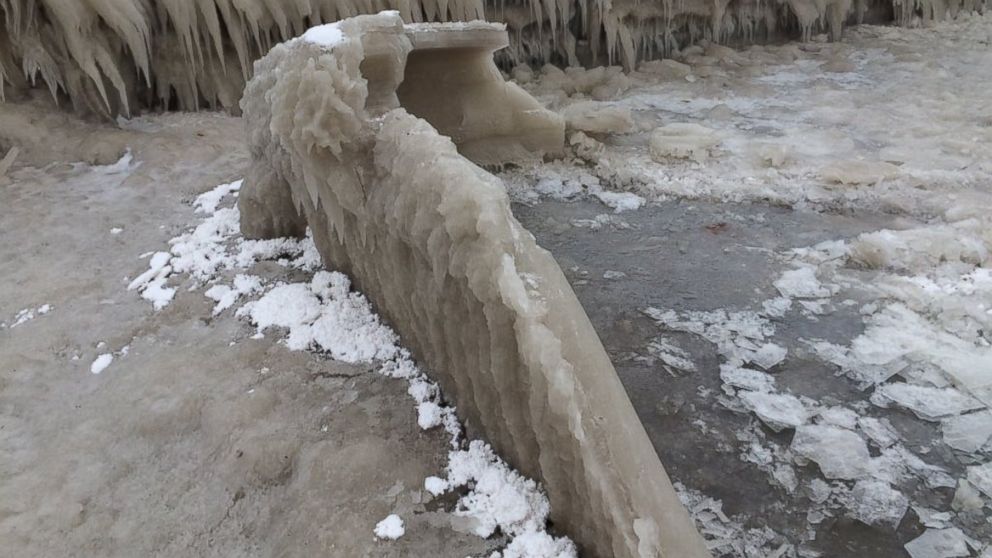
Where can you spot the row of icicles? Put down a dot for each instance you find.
(114, 56)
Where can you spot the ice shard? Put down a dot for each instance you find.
(429, 237)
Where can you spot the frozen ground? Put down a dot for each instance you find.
(814, 386)
(795, 287)
(170, 426)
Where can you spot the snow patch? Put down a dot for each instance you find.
(390, 528)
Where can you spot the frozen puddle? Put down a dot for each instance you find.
(322, 314)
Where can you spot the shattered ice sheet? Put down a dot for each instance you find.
(324, 315)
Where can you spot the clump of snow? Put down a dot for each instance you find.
(207, 202)
(225, 296)
(390, 528)
(28, 314)
(151, 283)
(618, 201)
(435, 485)
(289, 306)
(501, 498)
(326, 35)
(101, 363)
(537, 544)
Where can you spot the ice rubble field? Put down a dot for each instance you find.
(891, 125)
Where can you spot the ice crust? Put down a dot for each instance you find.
(430, 238)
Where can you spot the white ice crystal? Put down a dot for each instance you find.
(801, 283)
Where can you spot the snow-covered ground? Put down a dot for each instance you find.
(805, 297)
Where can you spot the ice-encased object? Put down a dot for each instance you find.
(429, 237)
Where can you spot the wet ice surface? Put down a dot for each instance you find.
(800, 310)
(708, 412)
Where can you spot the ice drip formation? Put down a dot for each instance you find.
(113, 56)
(429, 237)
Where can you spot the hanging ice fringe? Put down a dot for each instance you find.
(112, 56)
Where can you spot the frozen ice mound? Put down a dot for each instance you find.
(429, 237)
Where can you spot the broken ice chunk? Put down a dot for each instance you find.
(682, 141)
(746, 378)
(879, 431)
(968, 433)
(598, 118)
(966, 497)
(939, 543)
(874, 502)
(981, 477)
(839, 416)
(769, 355)
(801, 283)
(933, 518)
(618, 201)
(859, 172)
(928, 403)
(819, 491)
(777, 307)
(777, 410)
(671, 355)
(840, 453)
